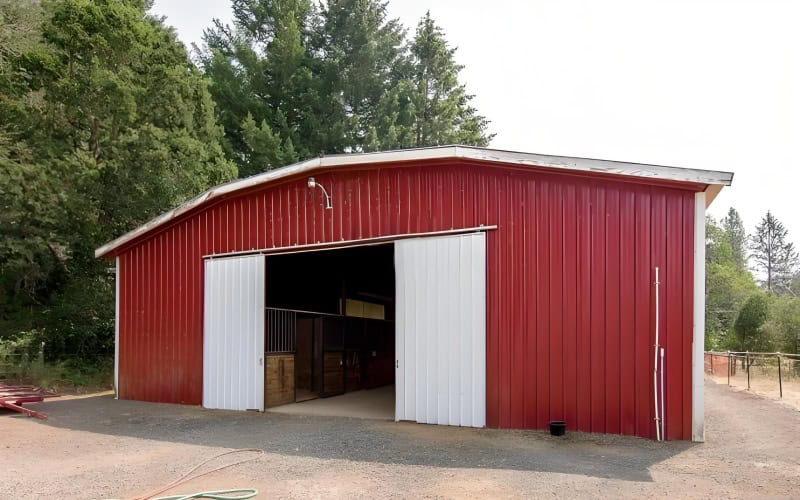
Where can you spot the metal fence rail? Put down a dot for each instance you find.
(19, 364)
(769, 373)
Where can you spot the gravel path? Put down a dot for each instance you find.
(95, 447)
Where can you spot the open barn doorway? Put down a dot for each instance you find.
(330, 332)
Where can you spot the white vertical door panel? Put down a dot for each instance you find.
(233, 333)
(441, 330)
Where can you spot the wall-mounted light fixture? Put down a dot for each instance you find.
(312, 184)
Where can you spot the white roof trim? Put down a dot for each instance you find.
(708, 177)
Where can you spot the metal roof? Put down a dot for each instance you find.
(714, 180)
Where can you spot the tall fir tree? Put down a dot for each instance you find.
(775, 257)
(294, 80)
(266, 69)
(734, 228)
(443, 110)
(363, 59)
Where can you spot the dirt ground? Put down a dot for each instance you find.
(96, 447)
(765, 385)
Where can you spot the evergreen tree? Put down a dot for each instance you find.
(443, 114)
(266, 69)
(363, 60)
(734, 227)
(774, 256)
(19, 29)
(330, 79)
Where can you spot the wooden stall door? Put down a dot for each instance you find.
(279, 381)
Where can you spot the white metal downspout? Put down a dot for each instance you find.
(116, 331)
(663, 413)
(698, 335)
(655, 368)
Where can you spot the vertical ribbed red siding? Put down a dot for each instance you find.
(570, 303)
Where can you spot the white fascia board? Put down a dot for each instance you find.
(698, 319)
(564, 163)
(591, 165)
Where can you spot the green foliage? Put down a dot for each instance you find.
(749, 324)
(728, 286)
(265, 147)
(733, 226)
(774, 255)
(265, 74)
(783, 324)
(72, 374)
(739, 316)
(21, 359)
(19, 29)
(293, 80)
(106, 124)
(24, 348)
(443, 113)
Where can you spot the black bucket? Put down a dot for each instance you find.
(557, 427)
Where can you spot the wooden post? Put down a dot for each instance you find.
(711, 356)
(747, 362)
(780, 382)
(729, 368)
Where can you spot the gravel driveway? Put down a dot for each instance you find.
(96, 447)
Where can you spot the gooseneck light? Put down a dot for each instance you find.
(312, 184)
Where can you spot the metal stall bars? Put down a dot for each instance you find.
(279, 377)
(281, 330)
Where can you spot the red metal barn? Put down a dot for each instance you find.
(491, 288)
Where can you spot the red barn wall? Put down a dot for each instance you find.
(570, 302)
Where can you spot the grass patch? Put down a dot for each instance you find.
(22, 362)
(71, 377)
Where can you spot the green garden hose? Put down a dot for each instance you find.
(240, 494)
(243, 493)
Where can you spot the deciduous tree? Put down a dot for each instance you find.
(749, 324)
(107, 123)
(728, 287)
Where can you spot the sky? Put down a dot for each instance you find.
(710, 84)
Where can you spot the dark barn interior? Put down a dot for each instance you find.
(329, 323)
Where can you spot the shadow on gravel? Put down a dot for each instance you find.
(604, 456)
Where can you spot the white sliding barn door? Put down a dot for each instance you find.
(233, 333)
(440, 338)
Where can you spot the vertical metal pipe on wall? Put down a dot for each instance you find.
(663, 413)
(655, 368)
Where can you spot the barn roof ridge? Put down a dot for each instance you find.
(714, 180)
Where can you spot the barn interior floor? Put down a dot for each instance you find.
(376, 404)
